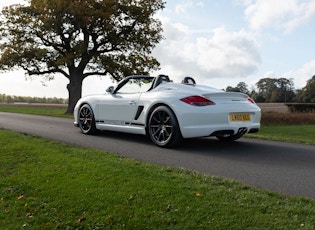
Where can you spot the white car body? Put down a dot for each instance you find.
(227, 115)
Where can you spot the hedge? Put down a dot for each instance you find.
(301, 107)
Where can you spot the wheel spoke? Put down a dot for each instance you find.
(156, 131)
(157, 119)
(161, 137)
(167, 119)
(167, 133)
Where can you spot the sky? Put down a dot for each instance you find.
(218, 42)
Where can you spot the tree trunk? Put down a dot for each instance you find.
(75, 92)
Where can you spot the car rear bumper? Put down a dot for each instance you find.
(213, 124)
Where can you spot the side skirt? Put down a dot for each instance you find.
(128, 128)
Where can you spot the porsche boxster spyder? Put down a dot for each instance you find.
(168, 112)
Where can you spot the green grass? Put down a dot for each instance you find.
(28, 109)
(47, 185)
(304, 134)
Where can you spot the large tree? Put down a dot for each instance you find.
(275, 90)
(307, 93)
(80, 38)
(241, 87)
(265, 88)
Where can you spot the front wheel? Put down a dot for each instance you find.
(163, 127)
(87, 120)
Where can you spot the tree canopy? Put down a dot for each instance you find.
(276, 89)
(307, 93)
(80, 38)
(241, 87)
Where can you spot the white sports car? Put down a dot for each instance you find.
(168, 112)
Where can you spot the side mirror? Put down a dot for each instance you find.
(110, 89)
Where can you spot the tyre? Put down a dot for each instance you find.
(163, 127)
(87, 120)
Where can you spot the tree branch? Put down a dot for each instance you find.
(57, 70)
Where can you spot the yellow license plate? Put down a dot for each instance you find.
(235, 117)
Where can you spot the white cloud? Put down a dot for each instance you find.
(11, 2)
(222, 55)
(183, 7)
(16, 83)
(280, 14)
(187, 5)
(300, 76)
(303, 74)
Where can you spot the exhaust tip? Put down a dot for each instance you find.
(254, 130)
(242, 130)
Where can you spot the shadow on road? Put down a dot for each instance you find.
(244, 149)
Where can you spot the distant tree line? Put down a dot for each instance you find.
(22, 99)
(278, 90)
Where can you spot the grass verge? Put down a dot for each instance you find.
(304, 134)
(33, 109)
(45, 185)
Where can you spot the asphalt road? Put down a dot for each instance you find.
(276, 166)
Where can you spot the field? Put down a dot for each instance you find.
(278, 114)
(273, 107)
(57, 110)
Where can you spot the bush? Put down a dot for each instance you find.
(26, 99)
(273, 118)
(301, 107)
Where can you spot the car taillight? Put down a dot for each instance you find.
(251, 100)
(197, 101)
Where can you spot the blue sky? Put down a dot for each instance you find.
(218, 42)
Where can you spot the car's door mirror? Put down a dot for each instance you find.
(110, 89)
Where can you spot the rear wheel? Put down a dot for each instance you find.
(163, 127)
(87, 120)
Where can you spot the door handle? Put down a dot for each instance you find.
(132, 102)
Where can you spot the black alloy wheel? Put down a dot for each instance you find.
(86, 120)
(163, 127)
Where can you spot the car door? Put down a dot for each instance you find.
(118, 109)
(121, 106)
